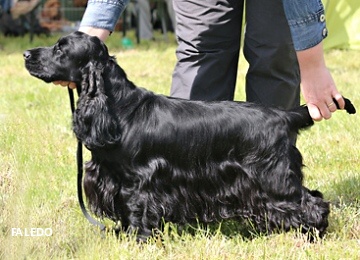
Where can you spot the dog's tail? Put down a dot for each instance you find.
(349, 107)
(300, 118)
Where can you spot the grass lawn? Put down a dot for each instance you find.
(38, 170)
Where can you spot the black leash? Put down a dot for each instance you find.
(79, 159)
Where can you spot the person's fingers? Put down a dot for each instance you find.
(72, 85)
(340, 100)
(56, 82)
(325, 110)
(64, 83)
(314, 112)
(331, 106)
(61, 83)
(69, 84)
(336, 103)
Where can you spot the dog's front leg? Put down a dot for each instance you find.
(141, 220)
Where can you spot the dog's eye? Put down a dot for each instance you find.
(57, 51)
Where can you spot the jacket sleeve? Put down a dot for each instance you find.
(103, 13)
(306, 20)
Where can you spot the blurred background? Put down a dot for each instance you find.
(43, 17)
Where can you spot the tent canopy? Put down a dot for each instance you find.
(343, 23)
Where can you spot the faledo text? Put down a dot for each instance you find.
(31, 232)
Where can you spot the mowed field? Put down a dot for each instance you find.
(38, 170)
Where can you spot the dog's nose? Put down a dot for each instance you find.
(27, 55)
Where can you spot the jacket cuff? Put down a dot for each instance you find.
(102, 14)
(308, 32)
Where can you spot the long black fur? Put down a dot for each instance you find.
(158, 158)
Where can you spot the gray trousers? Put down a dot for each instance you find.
(208, 34)
(144, 19)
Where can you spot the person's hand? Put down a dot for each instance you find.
(69, 84)
(317, 85)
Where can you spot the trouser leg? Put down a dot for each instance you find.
(170, 9)
(208, 34)
(273, 77)
(145, 25)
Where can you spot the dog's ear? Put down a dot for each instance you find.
(92, 80)
(95, 123)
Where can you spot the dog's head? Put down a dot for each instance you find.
(67, 59)
(82, 59)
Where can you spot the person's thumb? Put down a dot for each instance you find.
(314, 112)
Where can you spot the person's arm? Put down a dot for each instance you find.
(100, 17)
(99, 20)
(101, 33)
(307, 25)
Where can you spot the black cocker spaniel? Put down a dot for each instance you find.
(156, 158)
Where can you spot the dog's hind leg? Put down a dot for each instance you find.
(310, 215)
(314, 213)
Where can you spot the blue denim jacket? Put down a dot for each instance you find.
(103, 13)
(305, 17)
(306, 20)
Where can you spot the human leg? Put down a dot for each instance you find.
(170, 9)
(208, 34)
(144, 19)
(273, 78)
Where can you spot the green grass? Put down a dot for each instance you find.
(38, 170)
